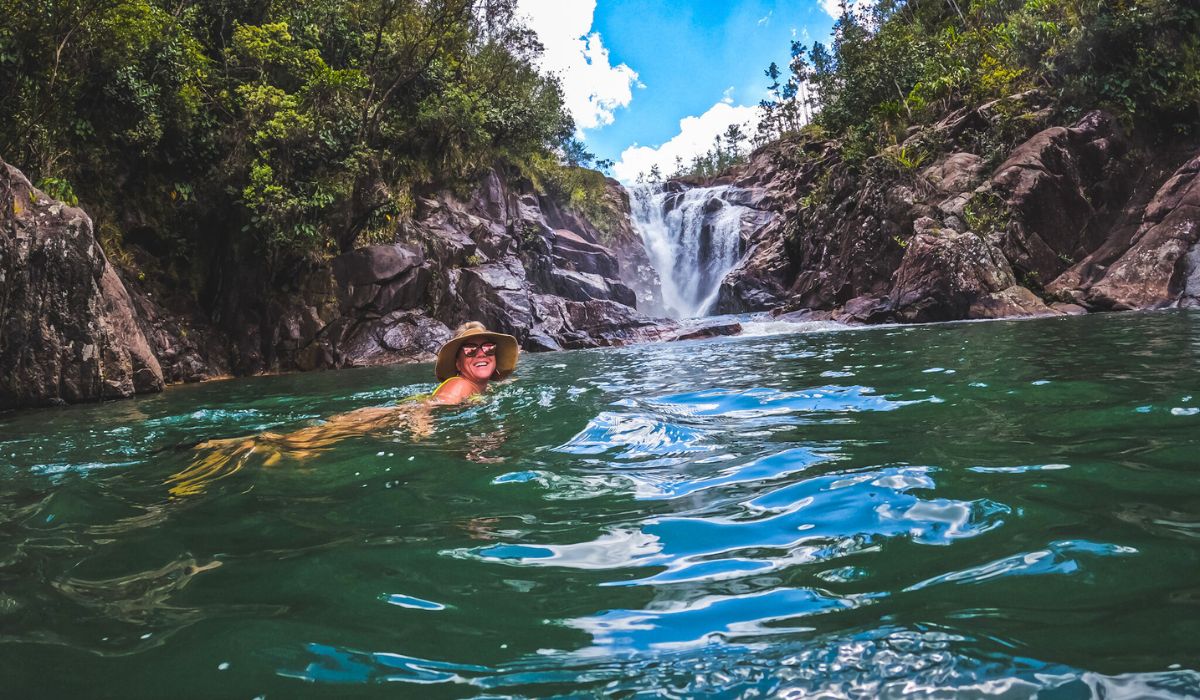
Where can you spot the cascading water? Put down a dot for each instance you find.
(693, 237)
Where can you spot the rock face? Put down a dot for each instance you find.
(947, 275)
(504, 256)
(1158, 266)
(68, 328)
(1074, 219)
(518, 262)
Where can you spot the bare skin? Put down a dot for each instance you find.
(227, 456)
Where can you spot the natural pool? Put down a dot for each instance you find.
(1000, 509)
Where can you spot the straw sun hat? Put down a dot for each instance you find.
(474, 332)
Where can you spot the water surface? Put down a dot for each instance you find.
(986, 509)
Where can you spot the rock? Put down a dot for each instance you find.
(375, 264)
(957, 172)
(1068, 309)
(864, 309)
(581, 286)
(495, 294)
(1153, 272)
(562, 324)
(947, 276)
(610, 323)
(1056, 197)
(803, 316)
(399, 337)
(572, 252)
(707, 330)
(408, 291)
(1011, 302)
(754, 282)
(68, 332)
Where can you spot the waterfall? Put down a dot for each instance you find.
(693, 237)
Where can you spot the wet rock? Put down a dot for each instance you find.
(68, 329)
(803, 316)
(563, 325)
(864, 309)
(581, 286)
(708, 330)
(1068, 309)
(755, 282)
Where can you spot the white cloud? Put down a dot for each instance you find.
(763, 21)
(696, 135)
(593, 88)
(833, 8)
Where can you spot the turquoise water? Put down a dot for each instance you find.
(989, 509)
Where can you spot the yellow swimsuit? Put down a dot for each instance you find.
(430, 395)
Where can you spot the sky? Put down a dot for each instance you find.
(649, 80)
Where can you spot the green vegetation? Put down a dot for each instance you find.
(904, 63)
(728, 150)
(277, 131)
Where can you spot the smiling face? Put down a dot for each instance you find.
(476, 361)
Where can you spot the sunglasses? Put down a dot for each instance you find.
(487, 350)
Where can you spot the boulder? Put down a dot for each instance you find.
(1056, 197)
(707, 330)
(754, 283)
(375, 264)
(361, 273)
(68, 328)
(401, 336)
(946, 275)
(495, 294)
(957, 172)
(864, 309)
(562, 324)
(1153, 272)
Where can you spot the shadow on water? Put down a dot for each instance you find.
(965, 510)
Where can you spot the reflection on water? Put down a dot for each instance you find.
(950, 511)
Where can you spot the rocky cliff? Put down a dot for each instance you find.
(1075, 218)
(72, 330)
(68, 328)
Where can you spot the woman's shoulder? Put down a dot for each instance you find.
(454, 390)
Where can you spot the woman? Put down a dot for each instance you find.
(471, 359)
(466, 364)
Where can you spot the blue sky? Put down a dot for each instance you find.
(633, 70)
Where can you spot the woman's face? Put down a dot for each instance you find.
(476, 361)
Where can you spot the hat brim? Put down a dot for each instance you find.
(507, 351)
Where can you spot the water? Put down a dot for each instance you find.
(985, 509)
(693, 238)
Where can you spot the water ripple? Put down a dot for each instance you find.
(1058, 558)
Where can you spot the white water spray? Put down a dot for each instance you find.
(693, 238)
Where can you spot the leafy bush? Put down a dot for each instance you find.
(895, 63)
(269, 131)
